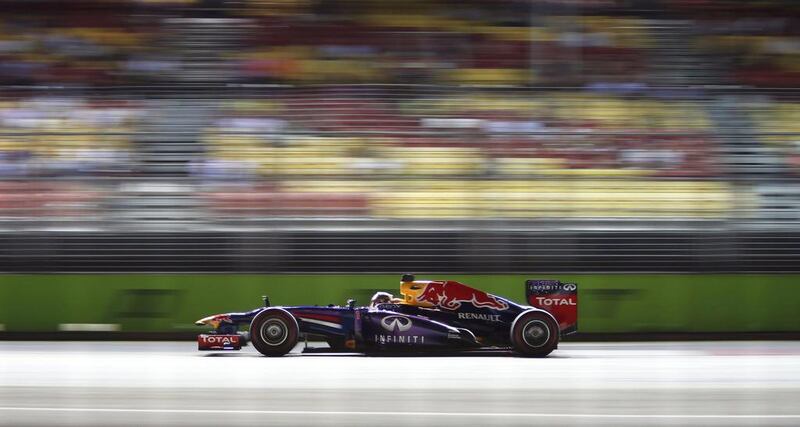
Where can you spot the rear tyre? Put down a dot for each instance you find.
(274, 332)
(534, 334)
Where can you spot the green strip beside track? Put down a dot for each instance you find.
(624, 303)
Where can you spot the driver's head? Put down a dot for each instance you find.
(380, 298)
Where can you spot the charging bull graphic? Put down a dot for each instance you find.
(451, 294)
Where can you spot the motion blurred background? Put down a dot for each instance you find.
(161, 160)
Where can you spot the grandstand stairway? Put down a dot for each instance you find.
(742, 155)
(677, 64)
(168, 137)
(202, 45)
(674, 62)
(163, 197)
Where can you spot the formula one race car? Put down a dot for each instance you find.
(432, 315)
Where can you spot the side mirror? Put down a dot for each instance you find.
(266, 300)
(351, 304)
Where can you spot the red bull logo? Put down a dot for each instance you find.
(451, 295)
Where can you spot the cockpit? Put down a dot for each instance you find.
(410, 289)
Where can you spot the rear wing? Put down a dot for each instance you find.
(559, 299)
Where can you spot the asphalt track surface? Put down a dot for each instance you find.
(613, 384)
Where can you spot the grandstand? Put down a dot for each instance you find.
(205, 116)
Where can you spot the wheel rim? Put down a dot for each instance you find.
(274, 332)
(536, 333)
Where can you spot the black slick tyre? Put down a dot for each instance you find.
(534, 334)
(274, 332)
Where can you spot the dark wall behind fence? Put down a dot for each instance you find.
(473, 251)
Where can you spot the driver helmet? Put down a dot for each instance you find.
(380, 298)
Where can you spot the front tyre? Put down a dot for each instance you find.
(534, 334)
(274, 332)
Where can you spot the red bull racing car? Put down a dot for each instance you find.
(431, 315)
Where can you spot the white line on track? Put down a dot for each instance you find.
(416, 414)
(88, 327)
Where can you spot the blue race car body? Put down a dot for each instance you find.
(433, 315)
